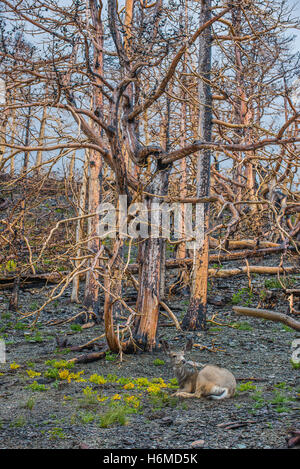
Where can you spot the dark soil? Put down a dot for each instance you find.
(62, 416)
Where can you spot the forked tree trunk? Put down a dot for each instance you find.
(195, 317)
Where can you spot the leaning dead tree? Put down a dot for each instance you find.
(110, 80)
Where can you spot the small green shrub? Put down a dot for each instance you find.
(248, 386)
(117, 414)
(36, 387)
(158, 362)
(243, 296)
(76, 328)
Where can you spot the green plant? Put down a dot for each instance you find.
(281, 409)
(283, 283)
(158, 362)
(109, 356)
(97, 379)
(11, 266)
(63, 351)
(281, 385)
(262, 295)
(6, 316)
(76, 327)
(117, 414)
(280, 398)
(34, 305)
(55, 433)
(161, 399)
(217, 266)
(30, 364)
(30, 403)
(89, 399)
(60, 364)
(36, 338)
(123, 381)
(295, 365)
(242, 326)
(36, 387)
(52, 373)
(248, 386)
(243, 296)
(259, 399)
(173, 383)
(18, 422)
(86, 417)
(21, 326)
(112, 378)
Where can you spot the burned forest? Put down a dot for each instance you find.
(149, 224)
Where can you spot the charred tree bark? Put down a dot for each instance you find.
(95, 170)
(195, 317)
(151, 255)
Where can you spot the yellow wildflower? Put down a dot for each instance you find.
(142, 382)
(102, 399)
(153, 389)
(97, 379)
(128, 386)
(14, 366)
(64, 374)
(116, 397)
(77, 377)
(32, 373)
(160, 382)
(132, 400)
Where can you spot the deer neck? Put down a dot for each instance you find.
(182, 374)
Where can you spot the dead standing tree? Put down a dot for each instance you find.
(196, 314)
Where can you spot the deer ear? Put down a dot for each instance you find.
(189, 345)
(165, 346)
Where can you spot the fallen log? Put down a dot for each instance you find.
(253, 269)
(267, 314)
(7, 282)
(88, 357)
(187, 261)
(292, 291)
(241, 244)
(51, 277)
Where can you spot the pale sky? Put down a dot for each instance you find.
(296, 9)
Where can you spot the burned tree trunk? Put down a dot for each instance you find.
(151, 256)
(195, 317)
(91, 300)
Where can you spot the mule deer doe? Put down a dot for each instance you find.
(211, 382)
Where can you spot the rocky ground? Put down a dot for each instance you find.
(114, 403)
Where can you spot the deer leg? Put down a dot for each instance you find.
(187, 394)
